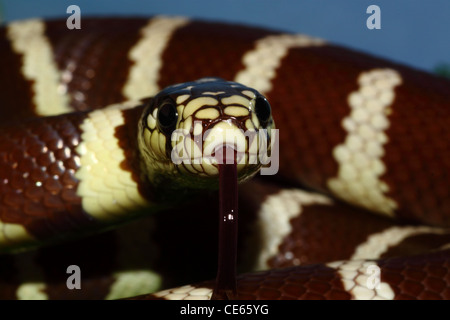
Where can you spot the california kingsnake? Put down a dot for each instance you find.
(362, 129)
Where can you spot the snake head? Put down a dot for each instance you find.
(187, 129)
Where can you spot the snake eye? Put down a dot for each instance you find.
(263, 111)
(167, 116)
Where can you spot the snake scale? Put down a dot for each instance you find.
(358, 135)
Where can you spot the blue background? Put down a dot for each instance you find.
(415, 32)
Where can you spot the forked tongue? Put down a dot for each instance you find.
(225, 287)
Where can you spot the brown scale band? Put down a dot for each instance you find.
(318, 282)
(321, 120)
(19, 94)
(335, 68)
(159, 235)
(43, 190)
(38, 176)
(81, 54)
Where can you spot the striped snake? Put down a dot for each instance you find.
(356, 134)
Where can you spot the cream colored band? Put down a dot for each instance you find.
(146, 56)
(12, 233)
(28, 39)
(362, 280)
(275, 217)
(262, 62)
(360, 155)
(107, 191)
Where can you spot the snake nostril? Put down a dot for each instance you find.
(167, 116)
(263, 111)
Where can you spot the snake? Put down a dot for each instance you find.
(359, 207)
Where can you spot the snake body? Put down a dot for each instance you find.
(355, 128)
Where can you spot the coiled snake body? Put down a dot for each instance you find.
(367, 134)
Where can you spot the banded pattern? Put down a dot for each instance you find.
(69, 174)
(359, 157)
(339, 282)
(28, 39)
(146, 57)
(105, 188)
(351, 233)
(351, 126)
(302, 246)
(37, 167)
